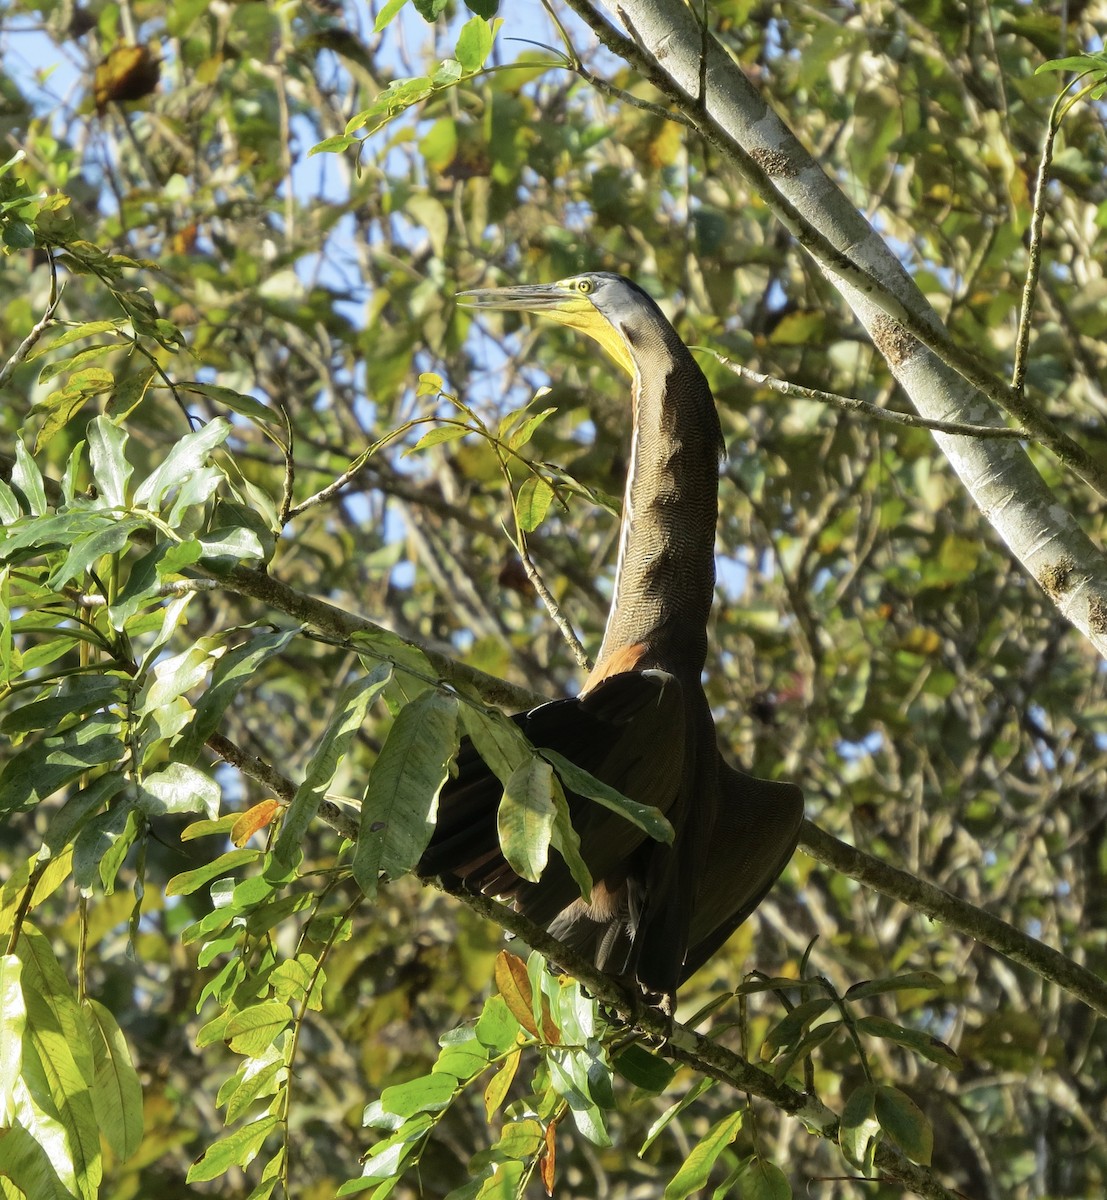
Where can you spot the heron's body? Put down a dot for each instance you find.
(642, 722)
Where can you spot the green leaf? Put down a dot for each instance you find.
(757, 1179)
(533, 502)
(67, 822)
(251, 1083)
(60, 408)
(116, 1091)
(474, 44)
(500, 1084)
(387, 12)
(25, 1162)
(644, 816)
(449, 71)
(527, 429)
(129, 392)
(237, 1149)
(334, 145)
(644, 1069)
(520, 1140)
(483, 8)
(237, 402)
(905, 1123)
(498, 740)
(113, 857)
(187, 455)
(195, 491)
(386, 1159)
(58, 1062)
(189, 881)
(496, 1027)
(300, 980)
(41, 769)
(789, 1030)
(566, 841)
(59, 366)
(858, 1128)
(430, 10)
(83, 385)
(877, 987)
(179, 788)
(428, 1093)
(804, 1048)
(236, 544)
(82, 694)
(56, 530)
(9, 506)
(88, 551)
(401, 797)
(437, 435)
(13, 1021)
(1077, 63)
(75, 334)
(253, 1030)
(99, 837)
(696, 1168)
(526, 816)
(674, 1111)
(26, 482)
(348, 717)
(913, 1039)
(147, 574)
(398, 96)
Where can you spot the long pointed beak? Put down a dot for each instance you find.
(538, 297)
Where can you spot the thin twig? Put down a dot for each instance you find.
(573, 61)
(38, 329)
(287, 450)
(324, 494)
(1037, 222)
(552, 607)
(956, 914)
(851, 404)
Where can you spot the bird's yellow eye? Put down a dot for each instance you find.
(584, 286)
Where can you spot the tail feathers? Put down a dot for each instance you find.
(606, 942)
(757, 824)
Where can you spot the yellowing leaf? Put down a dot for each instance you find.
(513, 983)
(255, 818)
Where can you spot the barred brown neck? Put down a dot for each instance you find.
(665, 575)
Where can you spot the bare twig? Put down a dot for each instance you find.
(38, 329)
(553, 608)
(1060, 110)
(851, 404)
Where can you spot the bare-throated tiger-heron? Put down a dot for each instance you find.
(641, 722)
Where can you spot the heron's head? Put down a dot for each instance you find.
(607, 307)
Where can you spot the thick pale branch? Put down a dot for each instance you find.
(704, 82)
(895, 297)
(852, 404)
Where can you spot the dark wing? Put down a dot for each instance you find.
(628, 731)
(757, 824)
